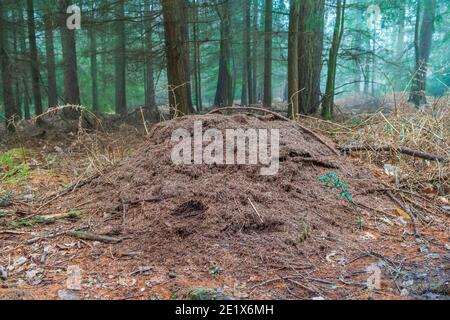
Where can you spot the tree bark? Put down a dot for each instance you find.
(254, 62)
(25, 71)
(268, 28)
(150, 96)
(247, 94)
(35, 74)
(366, 74)
(120, 61)
(310, 47)
(400, 47)
(293, 86)
(328, 102)
(197, 61)
(224, 90)
(94, 67)
(176, 59)
(69, 51)
(373, 62)
(50, 52)
(423, 41)
(357, 42)
(185, 7)
(16, 79)
(6, 73)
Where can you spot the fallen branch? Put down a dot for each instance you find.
(12, 232)
(300, 285)
(404, 208)
(71, 188)
(92, 237)
(144, 121)
(281, 117)
(317, 162)
(404, 150)
(58, 216)
(120, 207)
(283, 278)
(49, 236)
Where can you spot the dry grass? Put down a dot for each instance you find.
(427, 130)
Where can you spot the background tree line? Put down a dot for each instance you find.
(194, 54)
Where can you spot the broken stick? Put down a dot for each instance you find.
(404, 150)
(317, 162)
(12, 232)
(404, 208)
(257, 213)
(92, 237)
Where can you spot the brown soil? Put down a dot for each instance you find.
(185, 220)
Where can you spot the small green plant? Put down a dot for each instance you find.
(334, 183)
(3, 214)
(215, 271)
(66, 185)
(207, 294)
(22, 223)
(38, 220)
(4, 200)
(174, 295)
(360, 222)
(356, 121)
(17, 174)
(51, 159)
(388, 128)
(74, 214)
(13, 157)
(29, 222)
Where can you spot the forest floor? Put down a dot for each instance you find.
(96, 215)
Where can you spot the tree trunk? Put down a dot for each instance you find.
(197, 61)
(17, 92)
(50, 52)
(26, 102)
(310, 47)
(247, 94)
(357, 42)
(187, 51)
(328, 103)
(176, 58)
(6, 73)
(69, 51)
(268, 28)
(224, 91)
(25, 71)
(293, 88)
(423, 41)
(367, 74)
(35, 75)
(254, 62)
(373, 62)
(94, 67)
(150, 98)
(400, 47)
(120, 61)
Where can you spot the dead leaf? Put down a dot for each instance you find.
(402, 213)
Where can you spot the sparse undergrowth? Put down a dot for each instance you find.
(14, 166)
(333, 182)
